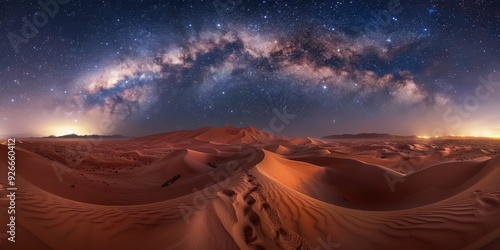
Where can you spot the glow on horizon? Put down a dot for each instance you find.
(476, 130)
(469, 136)
(66, 130)
(423, 136)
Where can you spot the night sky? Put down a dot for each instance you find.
(305, 67)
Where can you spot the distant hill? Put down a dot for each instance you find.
(75, 136)
(227, 134)
(369, 136)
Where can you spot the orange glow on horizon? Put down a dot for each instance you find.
(65, 130)
(469, 136)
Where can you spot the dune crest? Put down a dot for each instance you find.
(240, 188)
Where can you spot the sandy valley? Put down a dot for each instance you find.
(241, 188)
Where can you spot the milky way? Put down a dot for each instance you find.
(338, 67)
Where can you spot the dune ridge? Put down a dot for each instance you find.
(231, 188)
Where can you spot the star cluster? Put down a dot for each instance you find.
(338, 67)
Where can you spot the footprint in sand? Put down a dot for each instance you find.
(249, 237)
(249, 199)
(253, 218)
(487, 203)
(249, 179)
(281, 232)
(266, 206)
(252, 221)
(228, 192)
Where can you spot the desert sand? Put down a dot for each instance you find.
(241, 188)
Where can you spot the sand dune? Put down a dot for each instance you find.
(229, 188)
(226, 135)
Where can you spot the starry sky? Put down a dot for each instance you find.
(293, 67)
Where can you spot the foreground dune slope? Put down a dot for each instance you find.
(307, 194)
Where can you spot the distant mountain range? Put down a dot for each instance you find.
(226, 134)
(75, 136)
(230, 134)
(369, 136)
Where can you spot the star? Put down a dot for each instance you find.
(180, 59)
